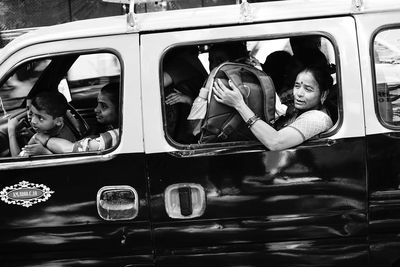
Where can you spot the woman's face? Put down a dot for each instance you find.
(306, 91)
(106, 112)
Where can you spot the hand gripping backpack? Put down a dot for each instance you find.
(223, 123)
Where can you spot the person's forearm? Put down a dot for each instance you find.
(13, 143)
(265, 133)
(59, 145)
(47, 151)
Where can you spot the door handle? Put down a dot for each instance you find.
(185, 200)
(117, 202)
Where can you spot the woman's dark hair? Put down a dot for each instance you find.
(321, 75)
(112, 91)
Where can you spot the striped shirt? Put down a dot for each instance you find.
(106, 140)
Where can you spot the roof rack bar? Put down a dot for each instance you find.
(131, 18)
(358, 5)
(246, 13)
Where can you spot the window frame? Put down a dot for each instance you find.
(43, 160)
(373, 63)
(255, 145)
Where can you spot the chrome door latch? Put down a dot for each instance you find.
(185, 200)
(117, 202)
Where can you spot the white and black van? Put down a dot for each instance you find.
(155, 200)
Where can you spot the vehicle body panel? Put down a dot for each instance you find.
(66, 227)
(382, 146)
(258, 198)
(328, 202)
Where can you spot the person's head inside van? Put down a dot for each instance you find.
(310, 91)
(47, 111)
(227, 51)
(108, 106)
(299, 44)
(311, 88)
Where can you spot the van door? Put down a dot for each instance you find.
(380, 52)
(84, 208)
(240, 204)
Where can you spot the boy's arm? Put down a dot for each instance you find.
(12, 138)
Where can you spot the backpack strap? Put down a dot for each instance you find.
(266, 82)
(266, 85)
(235, 120)
(230, 127)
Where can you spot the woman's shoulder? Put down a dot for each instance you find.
(316, 114)
(312, 123)
(315, 118)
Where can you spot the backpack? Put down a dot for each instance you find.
(222, 123)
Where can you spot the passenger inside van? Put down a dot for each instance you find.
(279, 66)
(217, 54)
(308, 119)
(183, 77)
(106, 114)
(307, 51)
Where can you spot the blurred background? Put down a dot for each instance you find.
(20, 16)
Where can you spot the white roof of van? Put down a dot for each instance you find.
(197, 18)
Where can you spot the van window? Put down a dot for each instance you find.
(186, 94)
(61, 91)
(386, 48)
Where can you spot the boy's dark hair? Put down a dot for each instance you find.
(52, 102)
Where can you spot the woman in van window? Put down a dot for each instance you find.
(106, 114)
(308, 119)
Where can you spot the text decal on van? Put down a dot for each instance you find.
(25, 194)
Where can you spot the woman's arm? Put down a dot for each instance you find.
(266, 134)
(54, 144)
(59, 145)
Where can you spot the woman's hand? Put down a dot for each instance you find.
(224, 95)
(178, 97)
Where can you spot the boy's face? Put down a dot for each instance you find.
(42, 122)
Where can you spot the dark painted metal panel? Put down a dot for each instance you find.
(384, 193)
(67, 227)
(347, 252)
(302, 195)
